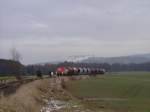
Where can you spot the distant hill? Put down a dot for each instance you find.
(141, 58)
(9, 67)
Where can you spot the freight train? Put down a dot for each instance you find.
(68, 71)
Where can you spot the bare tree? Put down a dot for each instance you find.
(15, 55)
(17, 67)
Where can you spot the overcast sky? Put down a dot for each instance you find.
(52, 30)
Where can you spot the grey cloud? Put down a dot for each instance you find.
(68, 26)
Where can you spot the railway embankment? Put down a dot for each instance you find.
(45, 95)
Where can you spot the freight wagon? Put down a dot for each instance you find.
(68, 71)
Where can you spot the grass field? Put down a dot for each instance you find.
(6, 77)
(115, 92)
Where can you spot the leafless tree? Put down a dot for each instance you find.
(15, 55)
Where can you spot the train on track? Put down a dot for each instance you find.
(68, 71)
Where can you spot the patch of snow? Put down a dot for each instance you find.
(54, 105)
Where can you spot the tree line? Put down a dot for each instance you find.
(10, 67)
(116, 67)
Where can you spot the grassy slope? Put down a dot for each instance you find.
(29, 97)
(133, 88)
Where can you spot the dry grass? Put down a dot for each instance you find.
(28, 98)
